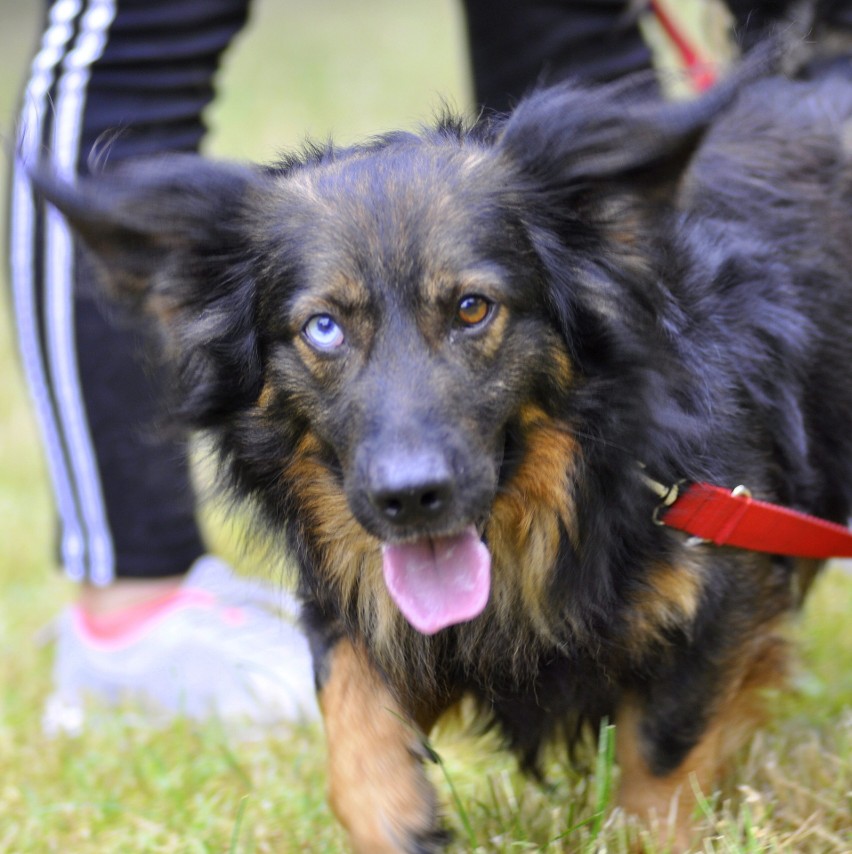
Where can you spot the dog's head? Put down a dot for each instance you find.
(406, 305)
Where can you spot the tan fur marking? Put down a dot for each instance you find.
(339, 291)
(309, 357)
(669, 801)
(165, 309)
(671, 598)
(493, 339)
(377, 787)
(266, 396)
(528, 514)
(560, 366)
(352, 557)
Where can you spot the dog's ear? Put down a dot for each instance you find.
(144, 217)
(572, 139)
(168, 238)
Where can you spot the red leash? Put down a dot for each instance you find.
(700, 70)
(725, 518)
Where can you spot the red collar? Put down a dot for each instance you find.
(726, 518)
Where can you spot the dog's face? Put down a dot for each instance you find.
(405, 305)
(409, 336)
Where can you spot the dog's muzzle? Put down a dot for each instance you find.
(435, 565)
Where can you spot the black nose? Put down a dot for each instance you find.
(411, 489)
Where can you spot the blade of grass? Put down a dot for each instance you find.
(457, 801)
(238, 823)
(604, 765)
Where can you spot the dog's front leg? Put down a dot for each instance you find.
(377, 785)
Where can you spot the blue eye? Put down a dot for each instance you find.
(323, 332)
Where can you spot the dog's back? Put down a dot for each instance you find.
(780, 162)
(770, 188)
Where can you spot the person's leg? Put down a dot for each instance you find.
(114, 79)
(516, 46)
(119, 80)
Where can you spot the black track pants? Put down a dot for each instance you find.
(122, 78)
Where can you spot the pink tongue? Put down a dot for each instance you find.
(437, 583)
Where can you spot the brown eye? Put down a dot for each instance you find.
(473, 310)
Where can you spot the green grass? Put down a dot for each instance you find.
(311, 69)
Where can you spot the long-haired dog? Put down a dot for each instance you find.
(437, 362)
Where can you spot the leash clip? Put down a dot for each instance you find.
(667, 494)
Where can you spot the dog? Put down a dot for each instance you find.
(442, 365)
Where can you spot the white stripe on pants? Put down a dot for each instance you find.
(61, 66)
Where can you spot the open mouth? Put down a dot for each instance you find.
(439, 581)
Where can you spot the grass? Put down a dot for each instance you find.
(313, 69)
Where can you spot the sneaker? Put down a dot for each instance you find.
(220, 646)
